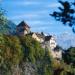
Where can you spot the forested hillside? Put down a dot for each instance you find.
(24, 56)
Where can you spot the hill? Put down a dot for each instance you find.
(8, 28)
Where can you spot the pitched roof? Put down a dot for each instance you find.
(47, 38)
(37, 34)
(40, 35)
(23, 24)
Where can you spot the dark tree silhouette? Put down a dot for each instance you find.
(66, 15)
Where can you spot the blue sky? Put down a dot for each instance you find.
(36, 14)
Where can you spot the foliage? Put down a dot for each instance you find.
(69, 60)
(70, 55)
(47, 64)
(32, 49)
(10, 52)
(15, 50)
(66, 15)
(71, 52)
(2, 17)
(6, 26)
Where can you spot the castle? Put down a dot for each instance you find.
(48, 42)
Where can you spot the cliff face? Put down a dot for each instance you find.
(28, 69)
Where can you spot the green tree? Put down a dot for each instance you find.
(2, 17)
(4, 28)
(47, 66)
(71, 54)
(36, 55)
(14, 48)
(69, 59)
(11, 53)
(32, 49)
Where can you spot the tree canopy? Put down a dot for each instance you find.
(66, 15)
(2, 17)
(4, 28)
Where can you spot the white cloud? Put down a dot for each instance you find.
(21, 16)
(22, 3)
(43, 12)
(53, 5)
(27, 3)
(35, 22)
(29, 16)
(40, 28)
(33, 12)
(39, 23)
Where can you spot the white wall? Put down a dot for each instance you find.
(52, 43)
(37, 38)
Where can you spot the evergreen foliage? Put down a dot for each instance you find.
(66, 13)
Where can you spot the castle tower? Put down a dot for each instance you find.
(22, 29)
